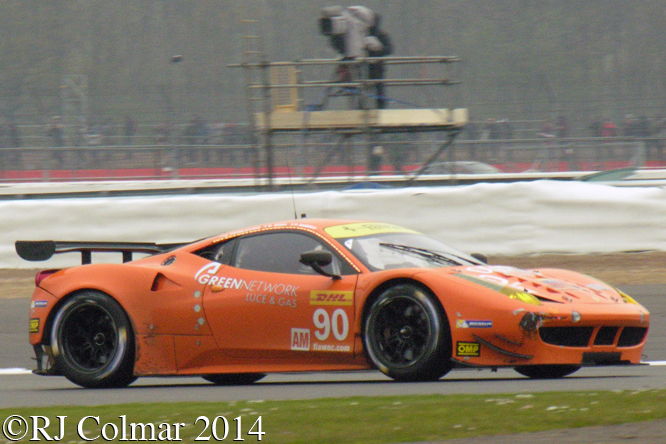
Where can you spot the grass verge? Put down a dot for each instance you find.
(351, 420)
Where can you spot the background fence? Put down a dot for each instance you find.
(154, 150)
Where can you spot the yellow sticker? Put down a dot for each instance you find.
(472, 349)
(364, 229)
(627, 299)
(34, 325)
(321, 297)
(522, 296)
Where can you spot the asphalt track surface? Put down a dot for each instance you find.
(20, 388)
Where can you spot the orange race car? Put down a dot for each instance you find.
(317, 295)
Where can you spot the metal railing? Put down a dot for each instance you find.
(400, 153)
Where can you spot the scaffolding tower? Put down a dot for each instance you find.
(274, 100)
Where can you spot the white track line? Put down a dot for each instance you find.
(15, 371)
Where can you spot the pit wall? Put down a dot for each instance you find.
(495, 219)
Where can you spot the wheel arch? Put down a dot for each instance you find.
(424, 357)
(377, 291)
(48, 325)
(115, 340)
(100, 278)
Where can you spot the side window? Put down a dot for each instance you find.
(278, 253)
(218, 252)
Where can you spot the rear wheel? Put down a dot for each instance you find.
(407, 335)
(92, 341)
(554, 371)
(234, 378)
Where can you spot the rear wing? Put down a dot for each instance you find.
(43, 250)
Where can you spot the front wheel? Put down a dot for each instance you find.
(234, 378)
(407, 335)
(554, 371)
(92, 341)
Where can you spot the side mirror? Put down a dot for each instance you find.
(318, 259)
(480, 257)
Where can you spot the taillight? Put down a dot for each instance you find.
(43, 275)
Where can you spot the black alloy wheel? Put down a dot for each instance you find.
(92, 341)
(407, 335)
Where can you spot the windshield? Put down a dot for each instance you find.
(382, 250)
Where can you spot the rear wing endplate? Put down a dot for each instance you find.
(35, 251)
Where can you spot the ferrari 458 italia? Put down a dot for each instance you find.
(317, 295)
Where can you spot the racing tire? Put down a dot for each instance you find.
(553, 371)
(234, 378)
(407, 335)
(93, 342)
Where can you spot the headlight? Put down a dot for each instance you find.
(575, 316)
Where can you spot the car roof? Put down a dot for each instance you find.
(318, 226)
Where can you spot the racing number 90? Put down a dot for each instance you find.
(338, 322)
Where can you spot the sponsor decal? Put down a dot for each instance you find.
(325, 297)
(462, 323)
(270, 300)
(364, 229)
(472, 349)
(300, 339)
(258, 292)
(206, 272)
(220, 283)
(34, 325)
(39, 304)
(330, 348)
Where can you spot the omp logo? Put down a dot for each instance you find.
(300, 339)
(468, 349)
(206, 272)
(34, 325)
(331, 297)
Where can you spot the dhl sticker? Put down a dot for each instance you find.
(327, 297)
(34, 325)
